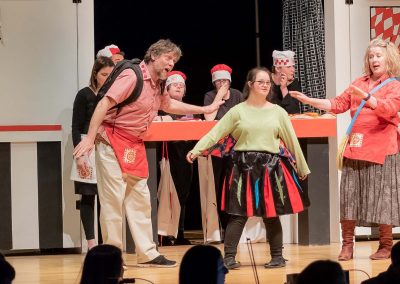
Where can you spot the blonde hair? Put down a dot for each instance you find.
(392, 57)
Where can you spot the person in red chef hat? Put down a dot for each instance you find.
(283, 81)
(181, 170)
(112, 51)
(221, 79)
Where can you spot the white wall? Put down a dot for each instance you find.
(347, 37)
(337, 78)
(40, 74)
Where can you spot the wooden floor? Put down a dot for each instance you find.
(66, 268)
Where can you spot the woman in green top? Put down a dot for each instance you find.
(262, 182)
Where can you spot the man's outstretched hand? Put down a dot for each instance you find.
(84, 147)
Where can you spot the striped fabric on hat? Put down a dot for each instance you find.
(175, 77)
(221, 71)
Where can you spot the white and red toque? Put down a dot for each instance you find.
(221, 71)
(175, 77)
(283, 58)
(108, 51)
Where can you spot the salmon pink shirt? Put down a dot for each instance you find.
(136, 117)
(375, 133)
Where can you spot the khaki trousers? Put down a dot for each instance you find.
(115, 195)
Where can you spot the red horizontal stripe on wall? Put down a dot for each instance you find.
(30, 127)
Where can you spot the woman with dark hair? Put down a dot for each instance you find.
(202, 264)
(102, 265)
(260, 182)
(84, 104)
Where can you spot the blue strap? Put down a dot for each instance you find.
(348, 131)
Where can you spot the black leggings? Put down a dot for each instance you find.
(87, 216)
(234, 231)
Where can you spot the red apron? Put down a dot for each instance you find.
(365, 143)
(130, 152)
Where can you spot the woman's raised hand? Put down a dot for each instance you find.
(356, 91)
(299, 96)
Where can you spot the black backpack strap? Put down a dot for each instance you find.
(121, 66)
(138, 87)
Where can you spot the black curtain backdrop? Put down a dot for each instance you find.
(208, 32)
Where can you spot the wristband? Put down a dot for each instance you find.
(368, 97)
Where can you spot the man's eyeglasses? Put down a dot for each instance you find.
(262, 83)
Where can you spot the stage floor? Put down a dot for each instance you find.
(66, 268)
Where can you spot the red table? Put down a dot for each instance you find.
(194, 130)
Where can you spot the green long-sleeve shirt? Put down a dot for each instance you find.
(256, 129)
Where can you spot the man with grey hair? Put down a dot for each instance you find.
(121, 161)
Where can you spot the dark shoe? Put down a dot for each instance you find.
(276, 262)
(164, 241)
(182, 242)
(231, 263)
(159, 261)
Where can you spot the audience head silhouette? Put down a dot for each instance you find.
(395, 254)
(322, 271)
(102, 265)
(392, 274)
(7, 272)
(202, 264)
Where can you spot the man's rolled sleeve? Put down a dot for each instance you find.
(123, 86)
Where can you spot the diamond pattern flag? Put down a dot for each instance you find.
(385, 24)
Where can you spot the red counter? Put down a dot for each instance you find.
(194, 130)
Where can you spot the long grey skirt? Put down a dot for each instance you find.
(370, 193)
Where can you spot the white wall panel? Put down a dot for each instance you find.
(24, 184)
(46, 55)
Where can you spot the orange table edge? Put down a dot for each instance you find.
(194, 130)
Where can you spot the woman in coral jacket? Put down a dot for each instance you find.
(370, 184)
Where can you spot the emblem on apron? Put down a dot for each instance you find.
(356, 140)
(129, 155)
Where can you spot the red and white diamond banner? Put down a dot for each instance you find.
(385, 23)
